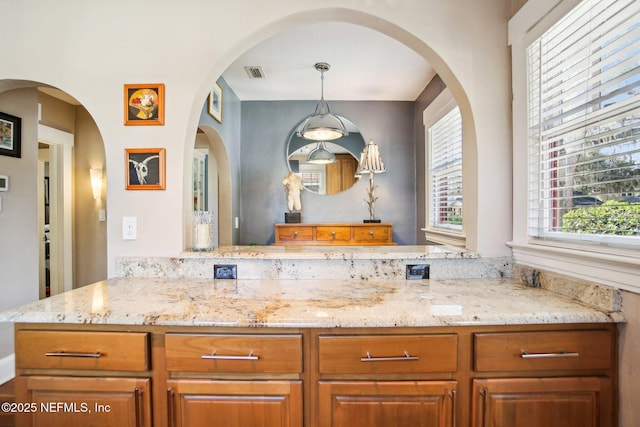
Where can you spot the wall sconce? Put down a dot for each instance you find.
(371, 162)
(96, 182)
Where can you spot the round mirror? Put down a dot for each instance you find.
(327, 178)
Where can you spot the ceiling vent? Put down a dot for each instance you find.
(254, 72)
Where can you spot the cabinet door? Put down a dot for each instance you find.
(81, 402)
(200, 403)
(385, 404)
(548, 402)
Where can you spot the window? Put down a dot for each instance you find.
(584, 125)
(444, 139)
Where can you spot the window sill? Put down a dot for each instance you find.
(444, 238)
(619, 268)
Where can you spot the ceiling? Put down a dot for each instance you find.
(365, 65)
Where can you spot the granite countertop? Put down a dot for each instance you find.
(308, 303)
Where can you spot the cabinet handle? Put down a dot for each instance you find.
(371, 233)
(388, 359)
(215, 356)
(170, 420)
(95, 355)
(136, 395)
(485, 407)
(295, 234)
(526, 355)
(333, 233)
(452, 395)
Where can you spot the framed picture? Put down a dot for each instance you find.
(144, 104)
(4, 183)
(215, 103)
(10, 127)
(145, 168)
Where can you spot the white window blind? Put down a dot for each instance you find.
(584, 124)
(445, 142)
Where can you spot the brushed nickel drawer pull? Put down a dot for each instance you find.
(295, 234)
(214, 356)
(95, 355)
(371, 233)
(526, 355)
(388, 359)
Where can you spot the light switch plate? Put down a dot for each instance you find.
(102, 215)
(129, 228)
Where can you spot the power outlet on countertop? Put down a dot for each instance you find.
(225, 271)
(417, 271)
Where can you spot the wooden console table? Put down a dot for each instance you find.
(334, 234)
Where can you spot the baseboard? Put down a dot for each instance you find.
(7, 368)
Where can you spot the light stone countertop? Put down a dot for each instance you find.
(307, 303)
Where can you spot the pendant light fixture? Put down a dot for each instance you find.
(322, 125)
(321, 155)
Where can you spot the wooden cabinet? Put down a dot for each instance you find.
(334, 234)
(552, 378)
(200, 392)
(73, 401)
(341, 173)
(549, 402)
(381, 390)
(78, 378)
(215, 403)
(386, 403)
(441, 376)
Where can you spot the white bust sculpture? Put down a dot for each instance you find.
(292, 188)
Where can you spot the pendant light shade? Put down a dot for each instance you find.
(321, 155)
(322, 125)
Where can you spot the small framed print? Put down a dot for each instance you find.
(145, 168)
(144, 104)
(4, 183)
(10, 129)
(215, 102)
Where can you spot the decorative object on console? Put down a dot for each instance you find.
(215, 102)
(321, 155)
(144, 168)
(96, 182)
(371, 162)
(292, 187)
(322, 125)
(10, 129)
(202, 231)
(144, 104)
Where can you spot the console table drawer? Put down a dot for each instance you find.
(388, 354)
(333, 234)
(531, 351)
(372, 233)
(292, 234)
(114, 351)
(234, 353)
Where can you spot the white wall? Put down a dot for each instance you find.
(90, 49)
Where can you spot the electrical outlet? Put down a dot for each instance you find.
(226, 271)
(417, 271)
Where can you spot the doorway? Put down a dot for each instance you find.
(55, 210)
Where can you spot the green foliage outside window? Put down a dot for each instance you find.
(612, 217)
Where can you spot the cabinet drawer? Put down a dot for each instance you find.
(388, 354)
(295, 233)
(234, 353)
(371, 234)
(530, 351)
(114, 351)
(342, 234)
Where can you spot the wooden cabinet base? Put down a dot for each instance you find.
(334, 234)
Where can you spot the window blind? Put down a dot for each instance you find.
(584, 123)
(445, 142)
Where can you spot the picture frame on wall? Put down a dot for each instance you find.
(144, 104)
(145, 168)
(4, 183)
(215, 103)
(10, 135)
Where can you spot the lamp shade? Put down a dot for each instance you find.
(370, 160)
(321, 155)
(96, 182)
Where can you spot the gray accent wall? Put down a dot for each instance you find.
(265, 130)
